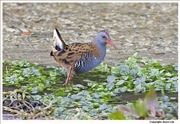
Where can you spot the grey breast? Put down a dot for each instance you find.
(86, 63)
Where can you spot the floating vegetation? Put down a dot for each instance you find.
(96, 94)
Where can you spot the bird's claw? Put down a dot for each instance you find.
(65, 84)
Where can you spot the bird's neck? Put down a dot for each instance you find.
(101, 48)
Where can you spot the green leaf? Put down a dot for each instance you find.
(120, 82)
(168, 74)
(125, 77)
(117, 115)
(110, 86)
(144, 71)
(129, 111)
(111, 78)
(151, 94)
(123, 89)
(168, 86)
(34, 90)
(96, 105)
(79, 86)
(151, 101)
(141, 108)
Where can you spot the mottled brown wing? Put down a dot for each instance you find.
(71, 54)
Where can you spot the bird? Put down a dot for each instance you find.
(77, 58)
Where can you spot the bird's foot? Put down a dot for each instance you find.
(65, 84)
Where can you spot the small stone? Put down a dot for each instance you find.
(167, 49)
(25, 31)
(142, 49)
(10, 29)
(128, 44)
(17, 31)
(158, 51)
(68, 23)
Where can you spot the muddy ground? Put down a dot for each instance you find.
(151, 29)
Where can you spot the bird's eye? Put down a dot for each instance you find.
(103, 36)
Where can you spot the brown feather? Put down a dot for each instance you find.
(73, 52)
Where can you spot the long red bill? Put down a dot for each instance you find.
(111, 43)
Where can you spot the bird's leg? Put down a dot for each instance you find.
(69, 77)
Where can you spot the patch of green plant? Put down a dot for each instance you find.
(130, 77)
(90, 95)
(148, 108)
(30, 76)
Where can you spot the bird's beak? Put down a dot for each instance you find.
(111, 43)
